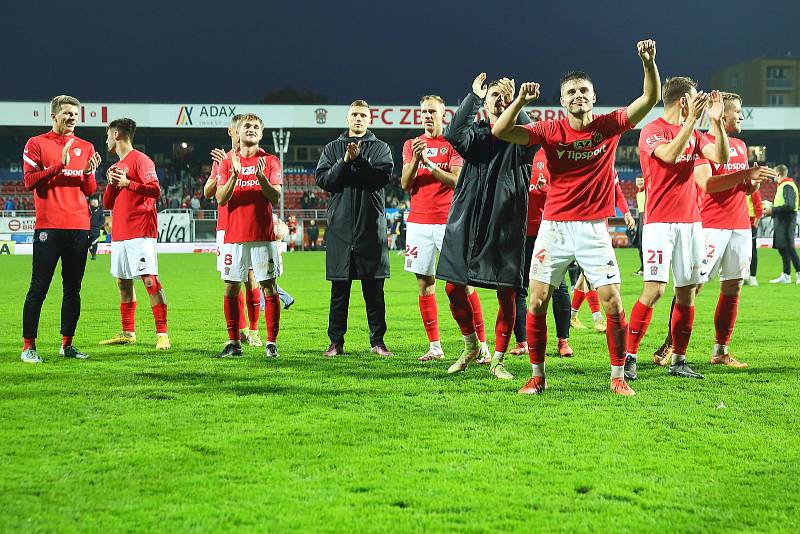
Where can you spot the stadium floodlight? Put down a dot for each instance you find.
(280, 140)
(184, 145)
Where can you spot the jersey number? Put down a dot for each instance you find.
(411, 251)
(540, 255)
(655, 254)
(228, 259)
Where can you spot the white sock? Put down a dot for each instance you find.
(484, 346)
(573, 313)
(471, 340)
(719, 350)
(597, 316)
(499, 356)
(538, 369)
(617, 371)
(678, 358)
(436, 346)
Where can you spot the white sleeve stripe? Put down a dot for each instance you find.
(30, 162)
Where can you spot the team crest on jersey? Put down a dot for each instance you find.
(654, 270)
(540, 165)
(76, 151)
(42, 236)
(597, 137)
(443, 150)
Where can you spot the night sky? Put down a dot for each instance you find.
(385, 52)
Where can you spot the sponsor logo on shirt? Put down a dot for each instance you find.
(577, 156)
(76, 151)
(655, 139)
(432, 152)
(72, 172)
(248, 183)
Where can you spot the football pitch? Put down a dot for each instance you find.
(139, 440)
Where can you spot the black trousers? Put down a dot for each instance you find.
(93, 238)
(561, 302)
(372, 290)
(789, 257)
(49, 246)
(754, 257)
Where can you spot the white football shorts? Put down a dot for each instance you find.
(260, 256)
(679, 246)
(133, 258)
(423, 244)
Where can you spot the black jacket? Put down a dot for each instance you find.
(356, 233)
(96, 220)
(484, 240)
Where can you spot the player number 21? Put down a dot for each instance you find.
(654, 254)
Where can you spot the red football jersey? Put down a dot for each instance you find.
(60, 192)
(430, 198)
(249, 212)
(672, 194)
(581, 165)
(537, 196)
(728, 209)
(134, 207)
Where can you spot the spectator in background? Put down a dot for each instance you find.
(784, 220)
(755, 209)
(97, 221)
(313, 234)
(9, 206)
(194, 203)
(641, 199)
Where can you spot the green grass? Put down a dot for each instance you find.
(136, 440)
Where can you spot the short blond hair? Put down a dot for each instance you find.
(249, 117)
(359, 104)
(727, 98)
(60, 100)
(432, 97)
(782, 170)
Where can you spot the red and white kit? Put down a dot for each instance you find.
(249, 241)
(59, 192)
(672, 235)
(726, 221)
(430, 204)
(222, 216)
(581, 197)
(134, 230)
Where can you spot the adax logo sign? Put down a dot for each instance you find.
(204, 116)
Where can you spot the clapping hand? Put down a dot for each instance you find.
(353, 150)
(479, 86)
(92, 164)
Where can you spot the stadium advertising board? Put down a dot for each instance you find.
(17, 225)
(173, 227)
(218, 115)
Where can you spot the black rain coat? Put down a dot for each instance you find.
(484, 242)
(356, 235)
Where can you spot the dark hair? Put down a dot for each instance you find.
(125, 127)
(573, 75)
(676, 87)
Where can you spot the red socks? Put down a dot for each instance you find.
(578, 297)
(429, 312)
(272, 314)
(477, 316)
(536, 330)
(127, 311)
(253, 306)
(242, 316)
(681, 328)
(506, 314)
(725, 317)
(66, 340)
(460, 307)
(616, 331)
(160, 315)
(28, 343)
(593, 300)
(640, 320)
(232, 316)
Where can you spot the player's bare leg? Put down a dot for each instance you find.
(616, 332)
(536, 332)
(681, 330)
(127, 310)
(272, 314)
(430, 317)
(253, 305)
(724, 322)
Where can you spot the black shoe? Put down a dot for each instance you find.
(630, 368)
(271, 351)
(231, 350)
(94, 258)
(682, 369)
(288, 305)
(71, 351)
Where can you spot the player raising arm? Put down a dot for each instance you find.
(580, 157)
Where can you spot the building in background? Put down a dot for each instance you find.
(762, 81)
